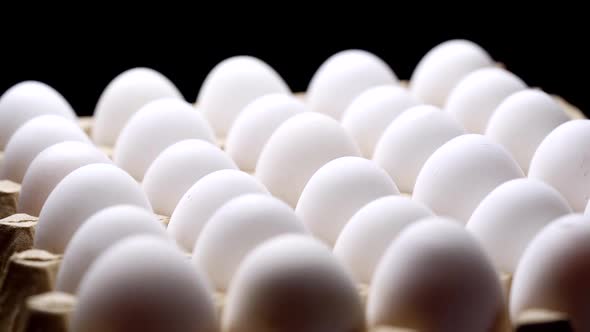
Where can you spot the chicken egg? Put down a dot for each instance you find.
(256, 123)
(124, 96)
(244, 222)
(97, 234)
(563, 161)
(368, 233)
(177, 168)
(510, 216)
(532, 109)
(32, 138)
(79, 195)
(443, 67)
(292, 283)
(337, 191)
(27, 100)
(372, 111)
(299, 147)
(342, 77)
(435, 277)
(231, 85)
(50, 167)
(143, 283)
(201, 200)
(410, 139)
(461, 173)
(475, 98)
(554, 270)
(153, 128)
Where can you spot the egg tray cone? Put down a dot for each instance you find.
(27, 276)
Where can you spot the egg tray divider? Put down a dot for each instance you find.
(29, 303)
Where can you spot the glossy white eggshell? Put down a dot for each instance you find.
(97, 234)
(153, 128)
(532, 109)
(475, 98)
(50, 167)
(370, 231)
(231, 85)
(337, 191)
(256, 123)
(342, 77)
(554, 271)
(26, 100)
(79, 195)
(177, 168)
(33, 137)
(563, 161)
(124, 96)
(461, 173)
(235, 229)
(511, 215)
(143, 283)
(410, 139)
(443, 67)
(203, 198)
(298, 148)
(292, 283)
(372, 111)
(435, 277)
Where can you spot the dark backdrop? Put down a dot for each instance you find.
(79, 64)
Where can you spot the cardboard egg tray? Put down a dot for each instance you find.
(27, 275)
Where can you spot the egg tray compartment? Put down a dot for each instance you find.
(27, 275)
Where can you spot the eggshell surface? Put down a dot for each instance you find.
(79, 195)
(145, 284)
(337, 191)
(203, 198)
(50, 167)
(299, 147)
(292, 283)
(177, 168)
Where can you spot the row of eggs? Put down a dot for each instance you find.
(290, 151)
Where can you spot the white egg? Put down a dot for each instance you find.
(511, 215)
(50, 167)
(337, 191)
(410, 139)
(342, 77)
(532, 109)
(27, 100)
(201, 200)
(79, 195)
(372, 111)
(563, 161)
(369, 232)
(124, 96)
(443, 67)
(153, 128)
(475, 98)
(435, 277)
(256, 123)
(177, 168)
(298, 148)
(33, 137)
(143, 283)
(461, 173)
(554, 271)
(292, 283)
(231, 85)
(97, 234)
(235, 229)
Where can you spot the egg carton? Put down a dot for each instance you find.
(27, 275)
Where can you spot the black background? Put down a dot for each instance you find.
(551, 53)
